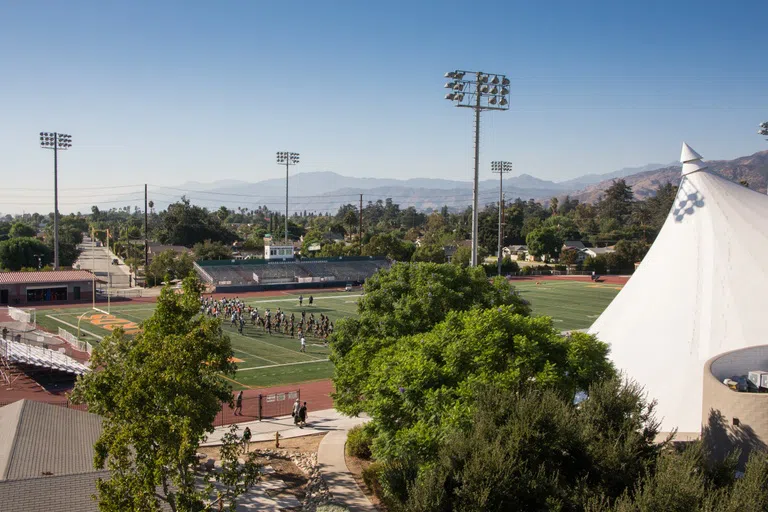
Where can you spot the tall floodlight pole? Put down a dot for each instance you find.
(56, 142)
(287, 158)
(501, 168)
(479, 91)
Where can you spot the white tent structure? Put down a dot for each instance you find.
(700, 291)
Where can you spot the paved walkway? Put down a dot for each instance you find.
(320, 422)
(341, 484)
(330, 454)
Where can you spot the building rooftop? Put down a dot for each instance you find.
(53, 276)
(39, 440)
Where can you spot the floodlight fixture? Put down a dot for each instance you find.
(287, 158)
(479, 91)
(57, 142)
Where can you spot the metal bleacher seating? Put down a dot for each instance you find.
(17, 352)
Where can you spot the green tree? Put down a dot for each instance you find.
(616, 204)
(429, 253)
(170, 264)
(208, 250)
(22, 230)
(389, 245)
(535, 450)
(406, 299)
(421, 384)
(544, 242)
(158, 394)
(185, 224)
(23, 252)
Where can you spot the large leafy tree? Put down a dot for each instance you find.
(186, 224)
(390, 245)
(406, 299)
(159, 394)
(422, 384)
(544, 242)
(20, 229)
(208, 250)
(23, 252)
(616, 204)
(170, 264)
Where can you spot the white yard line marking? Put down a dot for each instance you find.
(75, 327)
(284, 364)
(252, 355)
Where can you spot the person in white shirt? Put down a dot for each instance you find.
(303, 344)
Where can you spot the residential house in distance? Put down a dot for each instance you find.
(155, 248)
(596, 251)
(516, 253)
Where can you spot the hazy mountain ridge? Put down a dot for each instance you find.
(325, 191)
(753, 169)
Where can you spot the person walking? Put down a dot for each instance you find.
(303, 345)
(247, 439)
(295, 412)
(303, 415)
(311, 300)
(239, 404)
(301, 300)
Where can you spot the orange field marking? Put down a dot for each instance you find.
(110, 322)
(236, 360)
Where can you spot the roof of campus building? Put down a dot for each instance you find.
(53, 276)
(39, 439)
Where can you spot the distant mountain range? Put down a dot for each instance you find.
(326, 191)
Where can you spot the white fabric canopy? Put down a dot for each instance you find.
(700, 291)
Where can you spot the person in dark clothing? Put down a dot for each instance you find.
(239, 404)
(303, 415)
(311, 300)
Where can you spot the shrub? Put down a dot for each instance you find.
(332, 508)
(527, 270)
(359, 440)
(372, 477)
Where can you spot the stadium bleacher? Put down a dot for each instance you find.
(17, 352)
(326, 271)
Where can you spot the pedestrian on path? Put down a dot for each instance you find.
(295, 412)
(247, 439)
(303, 415)
(239, 404)
(303, 344)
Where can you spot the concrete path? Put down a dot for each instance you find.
(319, 422)
(341, 484)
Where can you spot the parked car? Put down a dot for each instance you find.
(348, 288)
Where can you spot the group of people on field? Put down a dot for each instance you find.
(238, 313)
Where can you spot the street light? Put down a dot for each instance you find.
(287, 158)
(501, 168)
(479, 91)
(57, 142)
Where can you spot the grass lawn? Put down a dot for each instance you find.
(270, 360)
(571, 304)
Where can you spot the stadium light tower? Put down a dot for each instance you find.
(287, 158)
(479, 91)
(501, 168)
(57, 142)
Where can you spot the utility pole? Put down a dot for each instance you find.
(501, 168)
(360, 227)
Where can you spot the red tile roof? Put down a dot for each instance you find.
(53, 276)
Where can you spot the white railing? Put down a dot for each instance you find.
(82, 346)
(42, 357)
(20, 315)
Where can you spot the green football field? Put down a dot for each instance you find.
(269, 360)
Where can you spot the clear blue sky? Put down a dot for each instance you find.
(166, 92)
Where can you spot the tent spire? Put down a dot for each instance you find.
(691, 160)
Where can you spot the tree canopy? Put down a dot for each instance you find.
(186, 224)
(158, 394)
(23, 252)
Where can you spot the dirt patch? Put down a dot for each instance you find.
(356, 467)
(304, 444)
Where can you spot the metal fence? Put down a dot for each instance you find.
(254, 408)
(259, 407)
